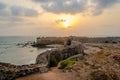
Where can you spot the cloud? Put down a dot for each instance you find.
(5, 10)
(15, 19)
(105, 3)
(2, 5)
(15, 14)
(20, 11)
(101, 5)
(63, 6)
(11, 19)
(43, 0)
(4, 13)
(60, 21)
(95, 7)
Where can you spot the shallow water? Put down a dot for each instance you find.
(11, 53)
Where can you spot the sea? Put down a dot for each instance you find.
(12, 53)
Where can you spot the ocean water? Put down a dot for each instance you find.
(10, 52)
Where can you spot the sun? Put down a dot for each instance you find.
(66, 24)
(65, 21)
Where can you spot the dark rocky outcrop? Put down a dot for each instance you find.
(60, 54)
(10, 72)
(43, 41)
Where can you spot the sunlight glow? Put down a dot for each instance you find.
(66, 24)
(66, 21)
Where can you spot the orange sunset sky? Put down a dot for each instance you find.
(60, 17)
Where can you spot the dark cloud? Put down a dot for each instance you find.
(3, 11)
(101, 5)
(30, 12)
(20, 11)
(2, 5)
(15, 14)
(105, 3)
(76, 6)
(63, 6)
(16, 11)
(60, 21)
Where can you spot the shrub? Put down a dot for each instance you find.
(53, 61)
(67, 63)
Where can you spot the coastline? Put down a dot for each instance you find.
(92, 56)
(11, 72)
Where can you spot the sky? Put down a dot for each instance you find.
(92, 18)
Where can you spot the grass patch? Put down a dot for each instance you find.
(53, 62)
(67, 63)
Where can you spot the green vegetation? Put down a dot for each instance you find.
(53, 62)
(67, 63)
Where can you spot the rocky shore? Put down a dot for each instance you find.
(10, 72)
(95, 61)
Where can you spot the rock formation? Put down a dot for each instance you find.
(10, 72)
